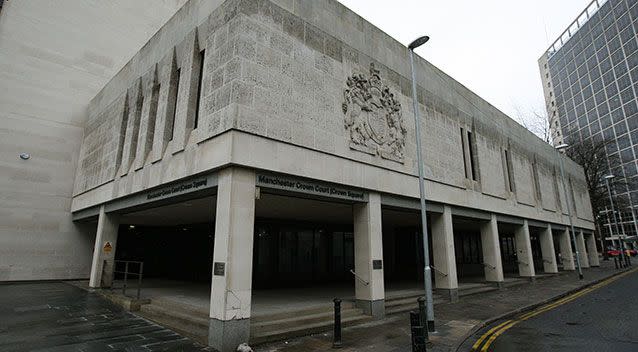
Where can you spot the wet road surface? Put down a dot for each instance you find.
(600, 318)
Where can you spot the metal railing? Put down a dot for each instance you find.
(438, 271)
(359, 278)
(573, 27)
(125, 267)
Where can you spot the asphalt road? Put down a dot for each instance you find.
(60, 317)
(600, 318)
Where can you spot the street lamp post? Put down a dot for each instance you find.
(613, 213)
(569, 208)
(611, 233)
(427, 272)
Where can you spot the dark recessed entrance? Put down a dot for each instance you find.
(289, 254)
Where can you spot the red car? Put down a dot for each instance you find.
(616, 252)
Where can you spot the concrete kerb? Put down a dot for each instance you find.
(529, 307)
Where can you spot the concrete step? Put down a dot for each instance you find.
(294, 320)
(406, 305)
(171, 304)
(329, 307)
(476, 290)
(411, 295)
(401, 309)
(303, 330)
(400, 302)
(185, 323)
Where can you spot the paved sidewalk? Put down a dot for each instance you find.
(59, 317)
(454, 320)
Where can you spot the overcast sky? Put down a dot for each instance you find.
(490, 46)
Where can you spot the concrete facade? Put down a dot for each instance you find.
(254, 113)
(307, 90)
(55, 57)
(250, 100)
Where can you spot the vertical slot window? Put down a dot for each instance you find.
(199, 86)
(463, 151)
(509, 171)
(171, 127)
(472, 156)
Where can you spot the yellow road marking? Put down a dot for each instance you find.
(478, 343)
(496, 331)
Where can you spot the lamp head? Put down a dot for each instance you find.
(418, 42)
(562, 146)
(610, 176)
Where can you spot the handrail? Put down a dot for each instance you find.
(126, 272)
(359, 278)
(438, 271)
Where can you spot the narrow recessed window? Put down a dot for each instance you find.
(123, 127)
(537, 184)
(171, 126)
(199, 86)
(508, 170)
(467, 175)
(472, 156)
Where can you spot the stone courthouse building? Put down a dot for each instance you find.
(263, 146)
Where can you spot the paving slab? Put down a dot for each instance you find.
(54, 316)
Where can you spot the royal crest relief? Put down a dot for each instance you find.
(373, 117)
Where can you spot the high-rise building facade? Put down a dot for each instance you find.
(590, 79)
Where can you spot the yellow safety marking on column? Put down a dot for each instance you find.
(496, 331)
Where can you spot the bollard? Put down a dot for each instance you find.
(336, 341)
(418, 333)
(628, 260)
(422, 315)
(616, 262)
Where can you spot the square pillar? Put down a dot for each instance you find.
(592, 251)
(231, 288)
(368, 256)
(581, 249)
(524, 251)
(104, 250)
(492, 252)
(443, 254)
(566, 253)
(546, 238)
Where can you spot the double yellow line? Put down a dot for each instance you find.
(486, 340)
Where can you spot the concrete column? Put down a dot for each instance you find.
(566, 253)
(104, 250)
(231, 287)
(582, 250)
(592, 251)
(492, 252)
(524, 251)
(547, 250)
(368, 255)
(443, 254)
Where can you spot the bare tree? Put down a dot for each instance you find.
(593, 157)
(536, 121)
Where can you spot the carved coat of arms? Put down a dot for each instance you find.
(373, 117)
